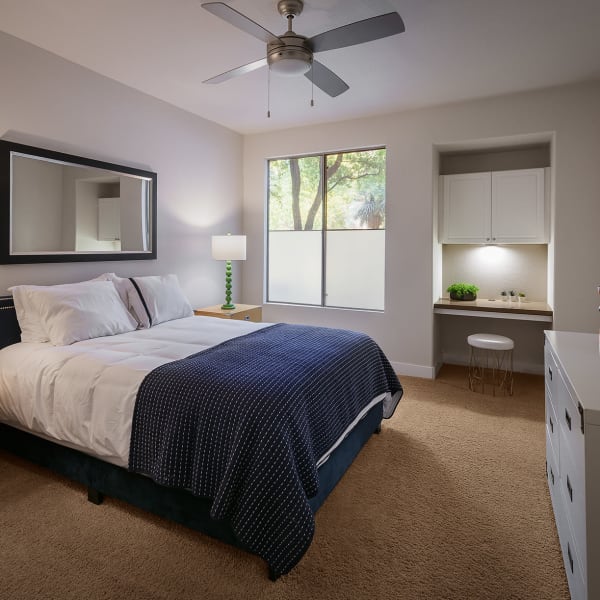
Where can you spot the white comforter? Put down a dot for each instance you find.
(83, 395)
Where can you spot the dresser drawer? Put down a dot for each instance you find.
(552, 432)
(573, 568)
(572, 487)
(550, 373)
(552, 475)
(570, 417)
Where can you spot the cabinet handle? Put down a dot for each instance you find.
(550, 373)
(569, 489)
(568, 419)
(551, 424)
(247, 318)
(570, 556)
(552, 475)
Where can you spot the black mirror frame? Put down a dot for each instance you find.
(6, 258)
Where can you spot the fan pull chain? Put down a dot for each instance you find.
(268, 93)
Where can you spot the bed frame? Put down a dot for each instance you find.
(102, 478)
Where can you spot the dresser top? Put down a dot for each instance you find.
(578, 355)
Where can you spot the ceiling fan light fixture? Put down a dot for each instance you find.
(290, 62)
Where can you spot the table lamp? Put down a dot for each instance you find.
(228, 247)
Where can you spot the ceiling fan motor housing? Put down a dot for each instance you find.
(290, 58)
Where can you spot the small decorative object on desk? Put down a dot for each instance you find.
(463, 291)
(521, 296)
(504, 295)
(513, 296)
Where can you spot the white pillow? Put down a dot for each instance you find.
(156, 299)
(29, 319)
(123, 286)
(32, 329)
(80, 311)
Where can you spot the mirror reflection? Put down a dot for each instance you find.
(62, 208)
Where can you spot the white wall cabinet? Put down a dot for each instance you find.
(572, 364)
(501, 207)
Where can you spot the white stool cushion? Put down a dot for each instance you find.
(490, 341)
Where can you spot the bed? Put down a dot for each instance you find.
(257, 467)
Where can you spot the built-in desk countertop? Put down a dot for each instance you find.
(495, 309)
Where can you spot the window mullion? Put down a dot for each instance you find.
(323, 192)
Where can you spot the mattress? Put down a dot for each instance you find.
(83, 395)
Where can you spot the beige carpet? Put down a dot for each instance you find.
(450, 502)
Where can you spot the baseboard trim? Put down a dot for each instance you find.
(518, 366)
(411, 370)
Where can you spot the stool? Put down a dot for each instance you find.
(491, 362)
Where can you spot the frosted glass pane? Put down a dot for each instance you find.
(355, 269)
(295, 267)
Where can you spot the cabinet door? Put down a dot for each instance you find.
(466, 215)
(518, 207)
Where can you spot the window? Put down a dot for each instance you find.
(326, 216)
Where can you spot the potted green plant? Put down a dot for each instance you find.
(463, 291)
(504, 295)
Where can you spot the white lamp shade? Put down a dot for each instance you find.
(229, 247)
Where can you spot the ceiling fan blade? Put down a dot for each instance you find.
(368, 30)
(326, 79)
(237, 19)
(257, 64)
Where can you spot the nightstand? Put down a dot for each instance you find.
(241, 312)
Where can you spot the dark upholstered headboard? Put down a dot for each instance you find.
(10, 333)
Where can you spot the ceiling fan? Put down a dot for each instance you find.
(292, 54)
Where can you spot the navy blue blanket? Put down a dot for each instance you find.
(245, 422)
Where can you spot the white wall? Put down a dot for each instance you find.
(40, 201)
(52, 103)
(493, 269)
(406, 329)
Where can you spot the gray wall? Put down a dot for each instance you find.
(529, 157)
(52, 103)
(40, 202)
(567, 116)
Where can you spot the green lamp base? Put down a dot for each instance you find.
(229, 305)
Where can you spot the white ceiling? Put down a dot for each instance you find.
(452, 50)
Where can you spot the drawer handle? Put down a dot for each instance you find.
(569, 489)
(570, 556)
(552, 475)
(247, 318)
(550, 373)
(580, 409)
(551, 424)
(568, 419)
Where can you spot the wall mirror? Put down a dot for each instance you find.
(57, 207)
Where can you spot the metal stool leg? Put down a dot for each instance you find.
(491, 368)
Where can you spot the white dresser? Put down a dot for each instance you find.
(572, 366)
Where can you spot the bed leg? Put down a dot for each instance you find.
(273, 576)
(378, 428)
(94, 496)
